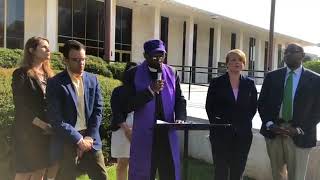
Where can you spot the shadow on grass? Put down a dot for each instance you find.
(197, 170)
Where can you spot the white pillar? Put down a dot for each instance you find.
(275, 55)
(51, 30)
(145, 26)
(217, 45)
(241, 37)
(35, 12)
(113, 31)
(259, 61)
(189, 41)
(188, 46)
(156, 22)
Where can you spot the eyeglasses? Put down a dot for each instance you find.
(78, 60)
(157, 58)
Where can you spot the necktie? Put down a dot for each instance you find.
(287, 98)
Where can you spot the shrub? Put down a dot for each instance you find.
(97, 65)
(117, 69)
(10, 58)
(313, 65)
(57, 61)
(107, 85)
(6, 103)
(6, 120)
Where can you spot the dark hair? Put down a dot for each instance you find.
(71, 44)
(129, 65)
(296, 45)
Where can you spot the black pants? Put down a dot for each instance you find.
(162, 156)
(230, 156)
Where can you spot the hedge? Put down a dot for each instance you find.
(313, 65)
(6, 120)
(97, 65)
(56, 61)
(10, 58)
(7, 114)
(117, 69)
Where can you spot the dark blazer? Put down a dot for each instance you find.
(222, 107)
(62, 108)
(29, 100)
(118, 103)
(29, 140)
(306, 104)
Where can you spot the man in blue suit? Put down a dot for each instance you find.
(75, 112)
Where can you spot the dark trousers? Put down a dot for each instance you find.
(162, 156)
(230, 156)
(92, 163)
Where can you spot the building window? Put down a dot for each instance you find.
(12, 23)
(194, 54)
(123, 34)
(252, 48)
(82, 20)
(210, 60)
(233, 40)
(183, 50)
(280, 56)
(164, 33)
(266, 51)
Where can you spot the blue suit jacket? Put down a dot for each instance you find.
(62, 110)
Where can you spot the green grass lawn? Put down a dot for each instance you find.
(197, 170)
(111, 170)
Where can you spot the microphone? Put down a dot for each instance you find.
(159, 74)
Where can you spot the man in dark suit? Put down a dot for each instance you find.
(155, 94)
(75, 109)
(289, 109)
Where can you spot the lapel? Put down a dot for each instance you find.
(230, 90)
(68, 83)
(302, 82)
(36, 85)
(85, 80)
(242, 88)
(281, 80)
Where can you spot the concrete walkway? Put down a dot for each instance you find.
(258, 164)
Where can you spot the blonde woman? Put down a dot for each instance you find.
(31, 129)
(231, 99)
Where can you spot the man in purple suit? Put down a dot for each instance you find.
(155, 94)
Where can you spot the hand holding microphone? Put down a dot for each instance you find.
(158, 85)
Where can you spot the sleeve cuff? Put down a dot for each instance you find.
(300, 131)
(79, 141)
(269, 124)
(151, 91)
